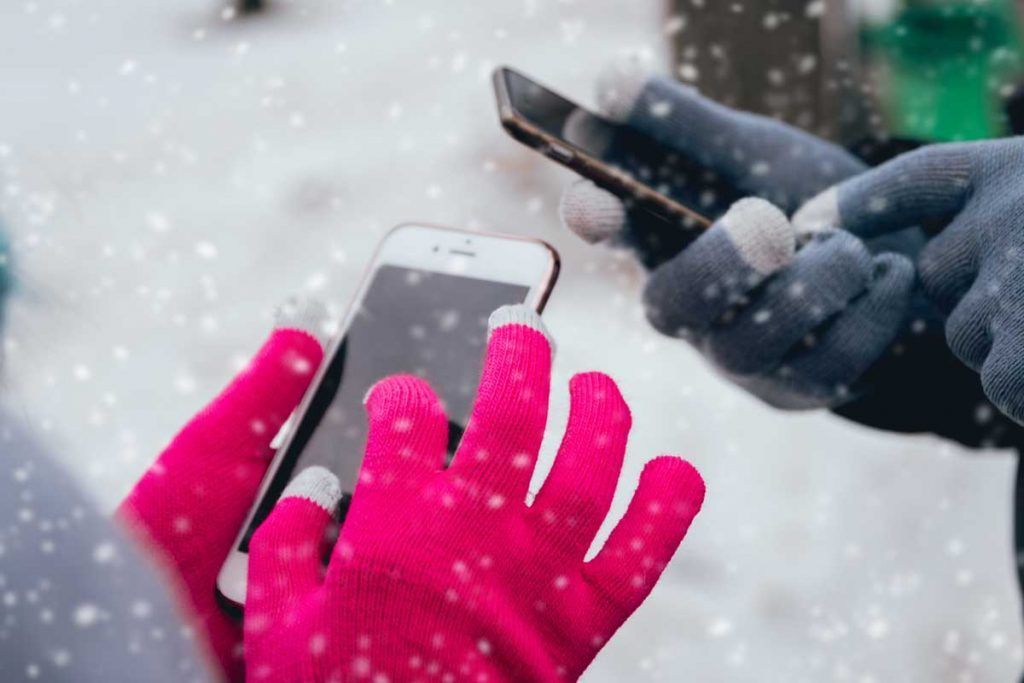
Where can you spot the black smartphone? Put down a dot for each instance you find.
(642, 172)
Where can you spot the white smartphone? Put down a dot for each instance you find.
(422, 308)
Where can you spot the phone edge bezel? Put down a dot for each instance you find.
(237, 561)
(586, 165)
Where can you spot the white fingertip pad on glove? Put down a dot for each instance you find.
(594, 214)
(306, 314)
(518, 314)
(317, 485)
(820, 213)
(620, 84)
(761, 234)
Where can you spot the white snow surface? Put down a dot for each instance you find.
(169, 176)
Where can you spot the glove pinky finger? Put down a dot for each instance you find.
(669, 496)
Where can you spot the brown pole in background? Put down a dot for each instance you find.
(792, 59)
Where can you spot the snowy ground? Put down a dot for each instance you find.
(168, 176)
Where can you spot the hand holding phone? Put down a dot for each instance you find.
(421, 309)
(643, 175)
(443, 571)
(750, 155)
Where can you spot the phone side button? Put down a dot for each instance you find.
(561, 153)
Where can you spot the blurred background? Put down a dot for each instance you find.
(169, 172)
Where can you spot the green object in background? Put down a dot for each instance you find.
(6, 272)
(945, 66)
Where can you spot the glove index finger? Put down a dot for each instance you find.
(929, 185)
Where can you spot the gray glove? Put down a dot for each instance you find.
(798, 327)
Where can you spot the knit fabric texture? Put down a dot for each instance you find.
(797, 329)
(188, 507)
(860, 345)
(447, 574)
(969, 195)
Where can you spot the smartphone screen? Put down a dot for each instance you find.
(646, 160)
(410, 321)
(560, 117)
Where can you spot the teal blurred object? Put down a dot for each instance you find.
(6, 271)
(944, 68)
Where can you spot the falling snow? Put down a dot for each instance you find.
(166, 192)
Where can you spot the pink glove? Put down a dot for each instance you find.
(190, 505)
(448, 574)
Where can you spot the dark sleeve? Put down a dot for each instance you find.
(77, 601)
